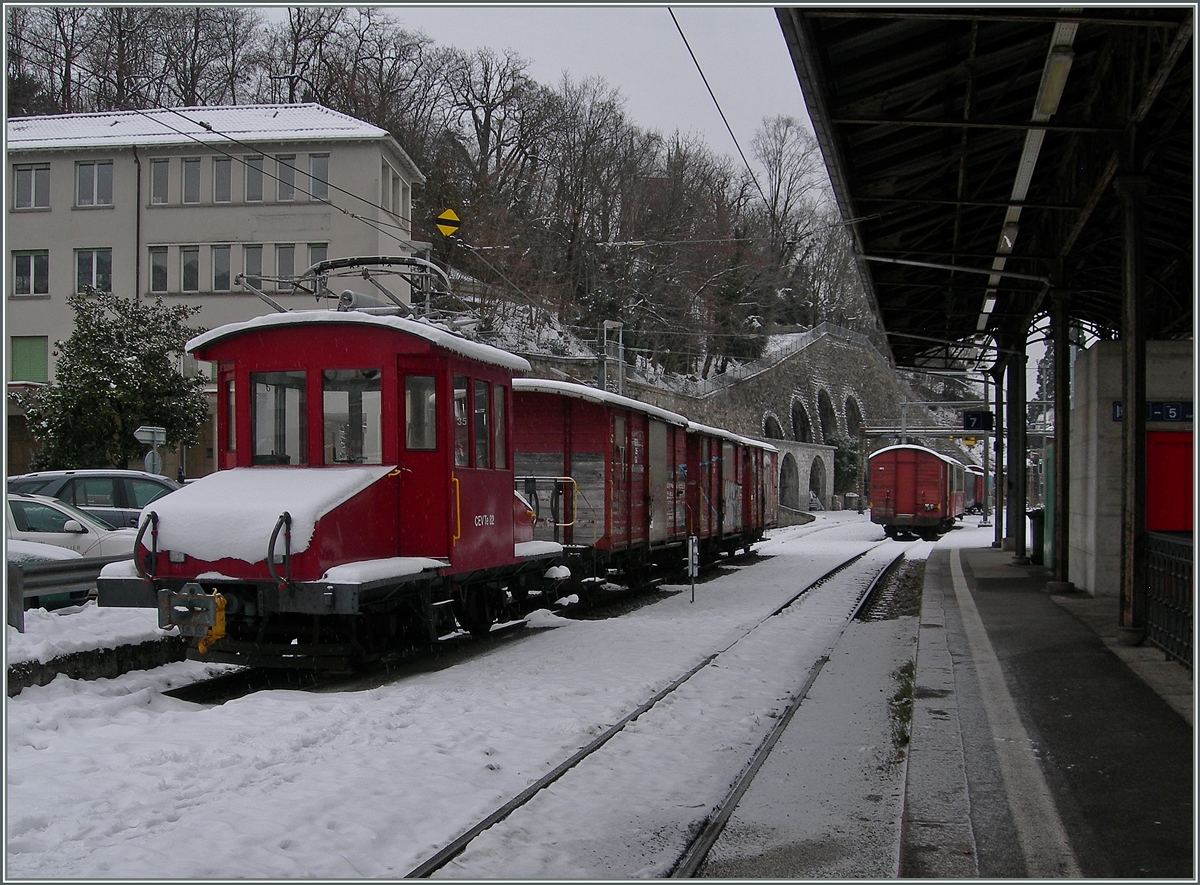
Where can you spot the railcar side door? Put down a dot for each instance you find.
(424, 458)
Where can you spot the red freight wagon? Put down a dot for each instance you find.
(602, 472)
(367, 470)
(732, 489)
(915, 490)
(973, 498)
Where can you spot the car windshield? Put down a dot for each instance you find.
(28, 486)
(83, 517)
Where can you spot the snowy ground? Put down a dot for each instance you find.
(112, 779)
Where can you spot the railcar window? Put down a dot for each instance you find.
(500, 423)
(420, 413)
(352, 416)
(482, 408)
(278, 418)
(462, 423)
(230, 417)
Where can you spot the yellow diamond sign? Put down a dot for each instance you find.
(447, 223)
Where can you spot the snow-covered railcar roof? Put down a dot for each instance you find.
(230, 514)
(694, 427)
(910, 447)
(595, 395)
(435, 335)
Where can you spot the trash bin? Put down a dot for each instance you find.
(1037, 535)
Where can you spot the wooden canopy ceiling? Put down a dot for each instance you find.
(975, 153)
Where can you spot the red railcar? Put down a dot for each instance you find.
(976, 484)
(605, 474)
(915, 490)
(368, 471)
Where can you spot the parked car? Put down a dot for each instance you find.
(47, 520)
(114, 496)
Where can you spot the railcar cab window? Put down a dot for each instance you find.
(352, 410)
(500, 426)
(462, 425)
(482, 412)
(420, 413)
(277, 418)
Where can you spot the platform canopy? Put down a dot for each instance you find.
(975, 154)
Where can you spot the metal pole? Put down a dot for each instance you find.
(987, 443)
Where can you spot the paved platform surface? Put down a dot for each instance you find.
(1040, 747)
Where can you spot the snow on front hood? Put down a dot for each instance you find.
(231, 513)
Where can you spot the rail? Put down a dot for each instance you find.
(1169, 591)
(31, 580)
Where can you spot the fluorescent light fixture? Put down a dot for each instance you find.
(989, 303)
(1008, 237)
(1054, 80)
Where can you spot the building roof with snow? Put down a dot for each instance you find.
(217, 127)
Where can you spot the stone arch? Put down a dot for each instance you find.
(853, 416)
(772, 429)
(789, 482)
(816, 482)
(801, 426)
(828, 416)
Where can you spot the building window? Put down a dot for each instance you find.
(31, 273)
(254, 179)
(285, 265)
(385, 187)
(252, 265)
(158, 269)
(222, 180)
(31, 187)
(220, 261)
(30, 358)
(318, 171)
(317, 252)
(93, 267)
(285, 172)
(160, 182)
(191, 181)
(190, 267)
(94, 183)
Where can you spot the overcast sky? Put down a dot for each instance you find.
(639, 50)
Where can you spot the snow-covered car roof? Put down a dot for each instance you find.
(435, 335)
(595, 395)
(31, 551)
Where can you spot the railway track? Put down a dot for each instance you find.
(845, 590)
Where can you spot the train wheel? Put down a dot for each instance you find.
(474, 613)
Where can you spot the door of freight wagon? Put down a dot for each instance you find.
(661, 484)
(905, 489)
(639, 481)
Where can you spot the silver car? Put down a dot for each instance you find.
(50, 521)
(114, 496)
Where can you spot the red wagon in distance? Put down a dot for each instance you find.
(915, 491)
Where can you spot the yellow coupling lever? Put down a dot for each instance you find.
(217, 630)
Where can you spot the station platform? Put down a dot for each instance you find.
(1040, 746)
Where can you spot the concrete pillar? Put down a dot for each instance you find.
(1001, 492)
(1062, 442)
(1015, 537)
(1131, 189)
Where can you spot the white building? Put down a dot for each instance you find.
(178, 202)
